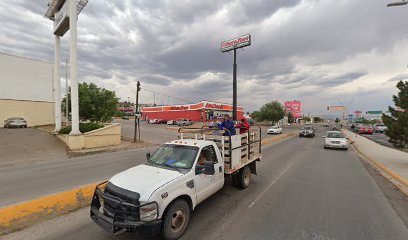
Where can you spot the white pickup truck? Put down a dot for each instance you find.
(161, 193)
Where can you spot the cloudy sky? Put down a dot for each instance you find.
(327, 52)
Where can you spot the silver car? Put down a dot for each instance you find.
(335, 139)
(15, 122)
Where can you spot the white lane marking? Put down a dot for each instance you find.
(269, 187)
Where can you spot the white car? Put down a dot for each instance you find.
(171, 122)
(335, 139)
(152, 121)
(274, 130)
(380, 128)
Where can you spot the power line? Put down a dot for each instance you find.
(165, 95)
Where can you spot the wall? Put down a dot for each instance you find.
(25, 79)
(109, 135)
(26, 90)
(36, 113)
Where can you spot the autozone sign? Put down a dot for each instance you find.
(235, 43)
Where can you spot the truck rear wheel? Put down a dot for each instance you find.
(175, 220)
(235, 180)
(244, 177)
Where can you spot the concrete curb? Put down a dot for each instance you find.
(19, 216)
(16, 217)
(394, 178)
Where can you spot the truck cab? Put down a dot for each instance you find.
(163, 191)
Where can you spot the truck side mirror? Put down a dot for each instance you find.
(147, 156)
(209, 168)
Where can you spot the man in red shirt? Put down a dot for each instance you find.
(243, 126)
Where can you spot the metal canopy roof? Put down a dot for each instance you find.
(56, 5)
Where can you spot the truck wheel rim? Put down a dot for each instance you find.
(246, 177)
(178, 220)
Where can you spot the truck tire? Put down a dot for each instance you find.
(175, 220)
(235, 180)
(244, 177)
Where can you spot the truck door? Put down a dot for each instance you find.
(207, 185)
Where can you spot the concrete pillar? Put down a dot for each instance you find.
(57, 83)
(73, 16)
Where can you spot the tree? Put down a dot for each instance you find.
(306, 119)
(317, 119)
(95, 104)
(397, 122)
(272, 111)
(290, 117)
(256, 115)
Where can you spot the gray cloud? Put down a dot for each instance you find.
(174, 48)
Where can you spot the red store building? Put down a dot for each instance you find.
(197, 112)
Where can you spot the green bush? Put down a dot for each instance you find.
(83, 128)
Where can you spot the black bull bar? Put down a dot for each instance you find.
(120, 215)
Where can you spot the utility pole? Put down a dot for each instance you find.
(137, 113)
(67, 93)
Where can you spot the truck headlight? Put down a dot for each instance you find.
(148, 212)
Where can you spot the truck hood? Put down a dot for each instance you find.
(144, 179)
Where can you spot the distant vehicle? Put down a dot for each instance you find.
(326, 125)
(161, 121)
(288, 124)
(171, 122)
(380, 128)
(364, 129)
(125, 117)
(153, 121)
(335, 139)
(357, 127)
(307, 131)
(274, 130)
(184, 122)
(15, 122)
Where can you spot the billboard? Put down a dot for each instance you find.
(235, 43)
(336, 108)
(295, 107)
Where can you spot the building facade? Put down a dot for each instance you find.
(26, 90)
(198, 112)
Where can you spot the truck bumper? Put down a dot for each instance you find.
(124, 217)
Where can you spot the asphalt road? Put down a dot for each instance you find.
(302, 192)
(26, 181)
(159, 133)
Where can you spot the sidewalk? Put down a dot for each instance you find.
(392, 162)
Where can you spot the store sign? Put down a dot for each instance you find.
(294, 107)
(374, 112)
(235, 43)
(214, 106)
(336, 108)
(178, 108)
(61, 22)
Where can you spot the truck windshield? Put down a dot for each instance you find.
(175, 156)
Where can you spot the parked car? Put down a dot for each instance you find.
(125, 117)
(184, 122)
(15, 122)
(335, 139)
(307, 131)
(366, 129)
(379, 128)
(274, 130)
(326, 125)
(171, 122)
(153, 121)
(161, 121)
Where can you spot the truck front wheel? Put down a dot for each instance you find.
(244, 177)
(175, 220)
